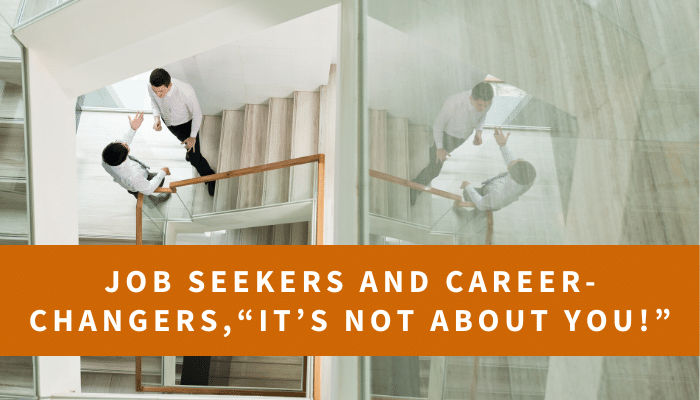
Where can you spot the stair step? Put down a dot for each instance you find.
(279, 148)
(304, 143)
(230, 144)
(253, 153)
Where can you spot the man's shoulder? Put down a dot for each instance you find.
(181, 85)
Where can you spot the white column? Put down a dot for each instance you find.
(57, 376)
(349, 378)
(352, 160)
(53, 178)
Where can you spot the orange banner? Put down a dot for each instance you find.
(515, 301)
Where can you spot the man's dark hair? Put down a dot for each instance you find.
(159, 77)
(482, 91)
(114, 154)
(522, 172)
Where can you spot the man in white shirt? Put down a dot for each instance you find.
(458, 118)
(505, 188)
(176, 104)
(128, 171)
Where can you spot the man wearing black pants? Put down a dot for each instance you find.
(176, 104)
(459, 117)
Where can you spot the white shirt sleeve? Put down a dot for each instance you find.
(441, 120)
(127, 137)
(154, 104)
(483, 203)
(480, 124)
(508, 156)
(147, 187)
(193, 106)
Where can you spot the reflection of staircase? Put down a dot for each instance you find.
(262, 134)
(522, 378)
(399, 149)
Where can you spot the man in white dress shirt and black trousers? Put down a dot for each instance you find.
(504, 188)
(458, 118)
(175, 103)
(128, 171)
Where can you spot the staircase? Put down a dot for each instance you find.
(523, 378)
(400, 148)
(283, 129)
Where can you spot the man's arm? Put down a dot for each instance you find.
(483, 203)
(143, 185)
(134, 125)
(154, 104)
(502, 140)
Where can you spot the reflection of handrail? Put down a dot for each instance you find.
(318, 158)
(459, 202)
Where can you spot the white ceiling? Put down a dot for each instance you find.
(292, 56)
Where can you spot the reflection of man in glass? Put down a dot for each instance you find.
(505, 188)
(458, 117)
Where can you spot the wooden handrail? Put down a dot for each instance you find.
(459, 202)
(248, 171)
(320, 198)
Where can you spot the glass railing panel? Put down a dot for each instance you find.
(394, 220)
(153, 223)
(17, 377)
(180, 204)
(106, 374)
(261, 189)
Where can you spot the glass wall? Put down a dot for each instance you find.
(597, 102)
(14, 221)
(534, 377)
